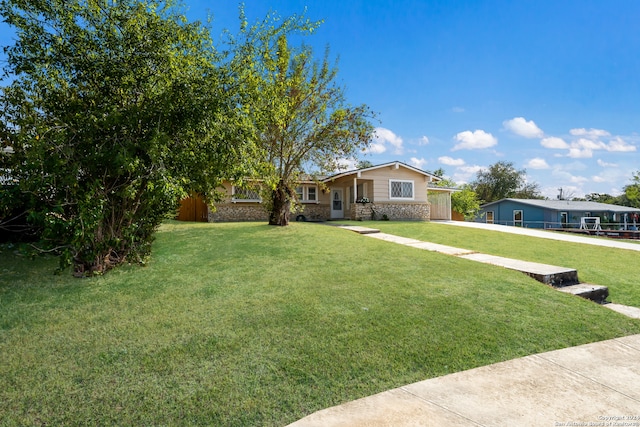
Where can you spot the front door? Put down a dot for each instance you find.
(517, 218)
(564, 219)
(337, 206)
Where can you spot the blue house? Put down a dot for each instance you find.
(536, 213)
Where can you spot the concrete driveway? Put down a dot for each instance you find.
(589, 385)
(544, 234)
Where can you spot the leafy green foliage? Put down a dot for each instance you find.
(465, 201)
(116, 110)
(363, 164)
(632, 191)
(502, 180)
(300, 113)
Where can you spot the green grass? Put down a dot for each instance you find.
(246, 324)
(615, 268)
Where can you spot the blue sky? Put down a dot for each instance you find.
(552, 86)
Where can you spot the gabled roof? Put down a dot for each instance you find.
(569, 205)
(384, 165)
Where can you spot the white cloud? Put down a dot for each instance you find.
(580, 153)
(587, 141)
(473, 169)
(589, 133)
(588, 144)
(450, 161)
(618, 144)
(538, 163)
(583, 148)
(554, 142)
(522, 127)
(474, 140)
(376, 148)
(457, 110)
(418, 162)
(613, 176)
(579, 179)
(423, 141)
(382, 137)
(604, 164)
(465, 174)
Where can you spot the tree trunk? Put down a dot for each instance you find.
(281, 205)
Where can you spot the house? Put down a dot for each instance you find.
(392, 190)
(536, 213)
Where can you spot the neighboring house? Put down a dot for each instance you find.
(536, 213)
(392, 190)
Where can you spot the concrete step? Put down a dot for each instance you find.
(360, 230)
(548, 274)
(595, 293)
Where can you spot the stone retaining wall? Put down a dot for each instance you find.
(233, 212)
(236, 212)
(393, 211)
(314, 212)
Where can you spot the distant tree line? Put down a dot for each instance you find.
(629, 197)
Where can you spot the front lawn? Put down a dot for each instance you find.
(246, 324)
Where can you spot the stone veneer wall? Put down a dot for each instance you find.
(232, 212)
(393, 211)
(314, 212)
(235, 212)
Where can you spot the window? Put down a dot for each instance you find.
(248, 194)
(307, 193)
(401, 190)
(489, 217)
(311, 194)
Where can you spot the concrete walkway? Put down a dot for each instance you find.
(595, 384)
(591, 385)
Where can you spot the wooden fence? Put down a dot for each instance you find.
(193, 209)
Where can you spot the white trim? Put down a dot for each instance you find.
(392, 165)
(413, 189)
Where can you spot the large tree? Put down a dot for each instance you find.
(303, 121)
(502, 180)
(115, 110)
